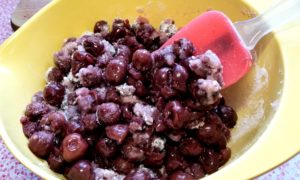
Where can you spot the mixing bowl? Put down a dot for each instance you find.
(266, 99)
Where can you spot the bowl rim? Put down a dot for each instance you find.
(3, 134)
(274, 135)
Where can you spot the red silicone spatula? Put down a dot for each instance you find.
(232, 42)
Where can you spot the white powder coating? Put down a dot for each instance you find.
(168, 27)
(208, 65)
(105, 174)
(145, 111)
(47, 73)
(67, 84)
(211, 89)
(162, 170)
(64, 103)
(125, 89)
(82, 91)
(72, 78)
(108, 47)
(158, 143)
(167, 50)
(35, 98)
(135, 25)
(105, 28)
(130, 99)
(86, 71)
(105, 57)
(102, 91)
(65, 115)
(88, 33)
(170, 58)
(80, 48)
(69, 47)
(68, 110)
(196, 125)
(142, 168)
(66, 52)
(214, 59)
(141, 137)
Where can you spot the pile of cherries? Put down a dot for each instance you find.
(80, 121)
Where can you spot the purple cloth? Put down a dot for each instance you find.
(6, 8)
(10, 168)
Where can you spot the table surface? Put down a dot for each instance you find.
(10, 168)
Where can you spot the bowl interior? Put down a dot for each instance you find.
(26, 57)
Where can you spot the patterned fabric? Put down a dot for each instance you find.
(10, 168)
(6, 8)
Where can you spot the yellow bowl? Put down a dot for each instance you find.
(267, 99)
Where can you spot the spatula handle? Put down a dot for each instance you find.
(24, 10)
(253, 30)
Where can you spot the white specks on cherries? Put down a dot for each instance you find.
(158, 143)
(145, 111)
(125, 89)
(101, 174)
